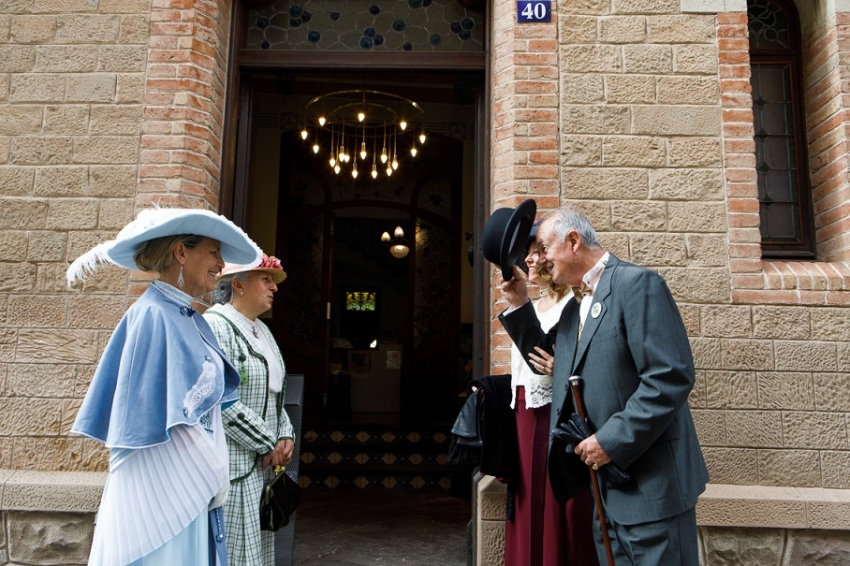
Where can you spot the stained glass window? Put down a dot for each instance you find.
(359, 301)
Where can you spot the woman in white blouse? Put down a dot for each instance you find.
(543, 531)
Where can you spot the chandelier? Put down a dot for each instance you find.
(363, 130)
(398, 246)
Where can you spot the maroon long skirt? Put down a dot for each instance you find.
(544, 532)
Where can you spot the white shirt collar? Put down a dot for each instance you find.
(591, 278)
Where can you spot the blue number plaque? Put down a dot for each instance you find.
(533, 11)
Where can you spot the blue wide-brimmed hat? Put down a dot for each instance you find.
(153, 223)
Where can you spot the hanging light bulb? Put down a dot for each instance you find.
(413, 151)
(422, 136)
(399, 232)
(304, 134)
(322, 120)
(332, 161)
(361, 116)
(374, 171)
(336, 168)
(354, 172)
(363, 150)
(384, 151)
(316, 147)
(403, 124)
(399, 251)
(385, 237)
(394, 161)
(389, 171)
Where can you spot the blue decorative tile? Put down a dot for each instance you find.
(339, 25)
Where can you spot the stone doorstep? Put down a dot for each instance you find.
(774, 507)
(71, 492)
(720, 505)
(733, 506)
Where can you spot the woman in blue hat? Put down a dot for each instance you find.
(156, 397)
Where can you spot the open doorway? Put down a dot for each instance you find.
(379, 336)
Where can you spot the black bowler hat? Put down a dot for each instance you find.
(532, 235)
(505, 237)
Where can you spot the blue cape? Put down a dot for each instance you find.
(155, 373)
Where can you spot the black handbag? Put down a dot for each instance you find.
(571, 433)
(280, 498)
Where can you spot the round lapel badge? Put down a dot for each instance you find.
(595, 310)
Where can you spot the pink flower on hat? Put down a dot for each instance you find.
(269, 262)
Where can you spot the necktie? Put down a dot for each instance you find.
(579, 293)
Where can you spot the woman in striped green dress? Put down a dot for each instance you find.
(258, 431)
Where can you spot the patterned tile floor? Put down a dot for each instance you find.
(347, 527)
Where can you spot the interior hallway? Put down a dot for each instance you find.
(348, 527)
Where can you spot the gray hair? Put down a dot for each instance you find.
(224, 287)
(569, 218)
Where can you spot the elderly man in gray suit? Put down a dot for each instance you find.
(625, 338)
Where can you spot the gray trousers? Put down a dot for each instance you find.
(669, 542)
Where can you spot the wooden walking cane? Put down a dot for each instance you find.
(575, 381)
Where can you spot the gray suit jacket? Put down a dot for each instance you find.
(635, 362)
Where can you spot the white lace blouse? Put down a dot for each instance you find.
(538, 388)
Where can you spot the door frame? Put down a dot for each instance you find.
(236, 147)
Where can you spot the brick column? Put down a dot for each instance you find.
(180, 157)
(827, 121)
(525, 148)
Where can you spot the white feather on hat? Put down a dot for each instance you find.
(153, 223)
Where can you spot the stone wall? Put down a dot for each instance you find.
(71, 107)
(652, 108)
(743, 526)
(105, 106)
(47, 517)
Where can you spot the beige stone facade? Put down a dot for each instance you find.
(637, 110)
